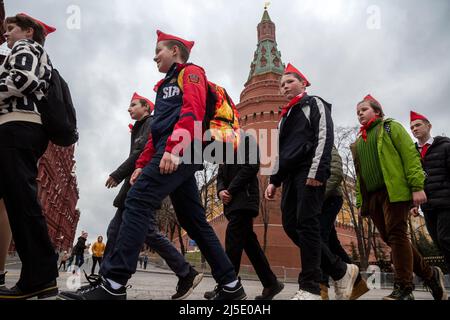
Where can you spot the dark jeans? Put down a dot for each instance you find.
(301, 206)
(155, 240)
(391, 220)
(239, 237)
(94, 263)
(21, 146)
(334, 258)
(63, 263)
(143, 199)
(79, 260)
(438, 225)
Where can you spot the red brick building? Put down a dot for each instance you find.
(58, 194)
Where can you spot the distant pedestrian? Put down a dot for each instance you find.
(98, 248)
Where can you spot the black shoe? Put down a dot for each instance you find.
(400, 293)
(187, 284)
(436, 284)
(100, 290)
(270, 292)
(210, 294)
(42, 292)
(2, 279)
(227, 293)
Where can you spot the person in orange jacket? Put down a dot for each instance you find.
(98, 248)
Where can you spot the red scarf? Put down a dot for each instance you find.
(424, 150)
(367, 126)
(293, 102)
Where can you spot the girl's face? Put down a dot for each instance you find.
(136, 110)
(291, 87)
(365, 113)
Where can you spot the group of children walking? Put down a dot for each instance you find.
(388, 166)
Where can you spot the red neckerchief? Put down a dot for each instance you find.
(424, 150)
(367, 126)
(293, 102)
(131, 127)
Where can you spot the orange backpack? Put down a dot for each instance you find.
(221, 120)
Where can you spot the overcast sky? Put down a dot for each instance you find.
(398, 50)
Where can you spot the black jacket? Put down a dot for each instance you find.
(437, 168)
(241, 181)
(306, 138)
(79, 248)
(139, 137)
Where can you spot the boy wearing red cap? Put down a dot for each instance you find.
(389, 179)
(141, 110)
(305, 143)
(24, 80)
(160, 173)
(435, 155)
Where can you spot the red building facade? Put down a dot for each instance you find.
(58, 195)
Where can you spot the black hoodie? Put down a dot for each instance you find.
(437, 169)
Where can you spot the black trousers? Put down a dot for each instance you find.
(241, 237)
(21, 146)
(334, 258)
(438, 225)
(94, 263)
(300, 207)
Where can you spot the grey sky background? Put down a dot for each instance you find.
(404, 63)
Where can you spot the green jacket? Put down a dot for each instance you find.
(400, 163)
(334, 182)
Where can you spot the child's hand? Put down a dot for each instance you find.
(225, 196)
(169, 163)
(313, 183)
(135, 175)
(270, 192)
(419, 197)
(111, 183)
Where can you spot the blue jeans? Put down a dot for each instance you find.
(143, 199)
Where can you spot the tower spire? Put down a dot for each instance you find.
(267, 57)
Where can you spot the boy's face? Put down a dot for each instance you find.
(136, 110)
(164, 57)
(365, 113)
(14, 33)
(291, 87)
(420, 129)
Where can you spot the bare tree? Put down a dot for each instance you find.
(206, 182)
(264, 208)
(167, 222)
(364, 228)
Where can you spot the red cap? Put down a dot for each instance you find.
(138, 97)
(370, 98)
(164, 36)
(291, 69)
(47, 29)
(417, 116)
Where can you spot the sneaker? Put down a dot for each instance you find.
(324, 292)
(187, 284)
(305, 295)
(400, 293)
(2, 279)
(270, 292)
(360, 288)
(436, 284)
(227, 293)
(42, 292)
(100, 290)
(210, 294)
(344, 286)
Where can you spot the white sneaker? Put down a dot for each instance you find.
(305, 295)
(344, 286)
